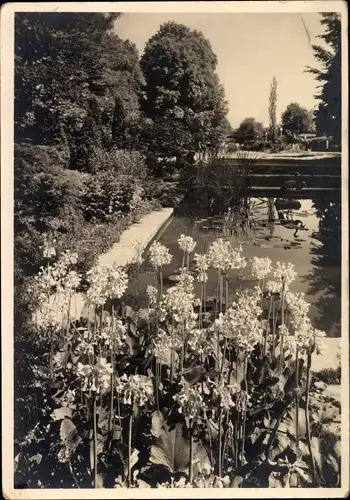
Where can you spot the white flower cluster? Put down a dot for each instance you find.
(95, 378)
(138, 251)
(221, 255)
(308, 338)
(159, 255)
(185, 281)
(189, 400)
(152, 293)
(240, 323)
(164, 341)
(186, 243)
(202, 266)
(106, 282)
(261, 267)
(179, 304)
(298, 308)
(112, 333)
(59, 278)
(273, 286)
(285, 272)
(49, 317)
(48, 248)
(225, 394)
(135, 389)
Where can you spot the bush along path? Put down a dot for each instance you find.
(184, 393)
(140, 232)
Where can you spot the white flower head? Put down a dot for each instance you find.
(138, 251)
(159, 255)
(221, 255)
(285, 272)
(152, 293)
(186, 243)
(261, 267)
(202, 266)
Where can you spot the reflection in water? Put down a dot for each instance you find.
(325, 277)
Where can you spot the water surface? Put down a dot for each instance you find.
(314, 251)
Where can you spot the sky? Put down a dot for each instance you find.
(251, 49)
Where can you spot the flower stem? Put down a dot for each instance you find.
(273, 330)
(119, 418)
(222, 293)
(223, 357)
(267, 325)
(217, 294)
(129, 450)
(161, 282)
(297, 396)
(191, 452)
(220, 444)
(226, 291)
(110, 424)
(282, 335)
(201, 308)
(94, 437)
(307, 417)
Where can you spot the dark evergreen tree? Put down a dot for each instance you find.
(328, 114)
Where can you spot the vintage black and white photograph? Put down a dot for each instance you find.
(180, 287)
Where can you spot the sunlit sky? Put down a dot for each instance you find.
(251, 49)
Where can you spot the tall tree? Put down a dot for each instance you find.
(183, 95)
(249, 130)
(328, 114)
(272, 109)
(64, 61)
(295, 119)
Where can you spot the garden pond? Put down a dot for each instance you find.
(314, 249)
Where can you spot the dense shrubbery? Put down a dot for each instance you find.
(190, 391)
(86, 151)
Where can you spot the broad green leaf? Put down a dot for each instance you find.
(172, 450)
(157, 423)
(69, 434)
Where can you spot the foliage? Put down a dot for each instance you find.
(328, 114)
(272, 109)
(249, 130)
(296, 119)
(221, 184)
(66, 63)
(184, 393)
(330, 375)
(71, 74)
(183, 95)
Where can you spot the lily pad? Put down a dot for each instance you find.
(173, 277)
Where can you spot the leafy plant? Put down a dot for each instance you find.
(182, 394)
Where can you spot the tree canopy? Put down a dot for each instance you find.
(296, 119)
(69, 67)
(249, 130)
(328, 114)
(183, 95)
